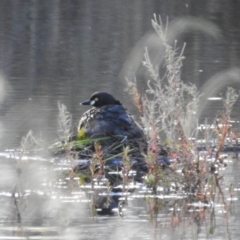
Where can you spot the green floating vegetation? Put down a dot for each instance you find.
(74, 144)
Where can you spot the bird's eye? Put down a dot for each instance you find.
(96, 99)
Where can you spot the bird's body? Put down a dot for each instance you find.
(107, 118)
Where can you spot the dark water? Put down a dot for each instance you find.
(54, 51)
(65, 50)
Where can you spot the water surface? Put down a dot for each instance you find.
(64, 51)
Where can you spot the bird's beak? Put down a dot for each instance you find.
(88, 102)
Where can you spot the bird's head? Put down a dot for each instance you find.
(100, 99)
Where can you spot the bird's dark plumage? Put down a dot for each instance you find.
(100, 99)
(108, 118)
